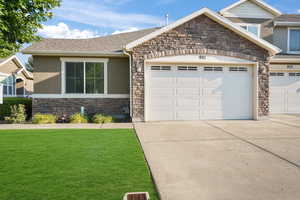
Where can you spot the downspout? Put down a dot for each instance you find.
(130, 80)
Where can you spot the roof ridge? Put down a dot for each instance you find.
(104, 36)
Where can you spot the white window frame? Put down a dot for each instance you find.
(249, 24)
(13, 85)
(288, 41)
(84, 60)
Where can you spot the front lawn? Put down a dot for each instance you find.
(71, 165)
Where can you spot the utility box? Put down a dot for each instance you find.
(137, 196)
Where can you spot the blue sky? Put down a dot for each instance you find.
(92, 18)
(79, 18)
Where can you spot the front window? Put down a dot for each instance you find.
(252, 28)
(294, 40)
(8, 86)
(85, 77)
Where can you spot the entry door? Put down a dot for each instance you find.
(198, 93)
(285, 92)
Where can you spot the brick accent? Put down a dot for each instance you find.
(71, 106)
(198, 36)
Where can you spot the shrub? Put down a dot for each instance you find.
(17, 114)
(102, 119)
(78, 118)
(43, 119)
(5, 110)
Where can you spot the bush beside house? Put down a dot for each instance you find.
(8, 102)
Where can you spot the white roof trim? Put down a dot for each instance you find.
(20, 64)
(214, 16)
(260, 3)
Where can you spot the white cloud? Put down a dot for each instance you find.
(298, 11)
(62, 30)
(131, 29)
(99, 15)
(116, 2)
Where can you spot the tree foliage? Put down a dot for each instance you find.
(20, 21)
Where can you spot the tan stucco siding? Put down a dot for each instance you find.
(9, 67)
(118, 76)
(47, 75)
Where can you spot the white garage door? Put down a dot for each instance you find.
(284, 92)
(198, 92)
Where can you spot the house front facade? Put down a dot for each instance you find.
(207, 65)
(16, 80)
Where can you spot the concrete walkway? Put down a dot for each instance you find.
(67, 126)
(223, 160)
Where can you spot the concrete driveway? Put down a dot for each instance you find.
(224, 160)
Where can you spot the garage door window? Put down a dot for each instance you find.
(276, 74)
(294, 74)
(187, 68)
(213, 69)
(238, 69)
(161, 68)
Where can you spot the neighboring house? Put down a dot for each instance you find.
(206, 65)
(16, 80)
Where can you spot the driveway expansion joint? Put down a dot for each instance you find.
(255, 145)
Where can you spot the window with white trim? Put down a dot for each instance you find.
(294, 74)
(294, 40)
(8, 86)
(84, 77)
(252, 28)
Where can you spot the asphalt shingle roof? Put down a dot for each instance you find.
(112, 44)
(288, 18)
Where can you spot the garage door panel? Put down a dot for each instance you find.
(162, 92)
(188, 92)
(187, 115)
(161, 115)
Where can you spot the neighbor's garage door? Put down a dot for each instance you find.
(198, 92)
(284, 92)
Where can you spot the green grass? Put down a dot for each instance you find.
(71, 165)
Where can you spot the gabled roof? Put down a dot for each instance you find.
(214, 16)
(260, 3)
(107, 45)
(22, 68)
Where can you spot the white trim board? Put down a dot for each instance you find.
(84, 60)
(260, 3)
(81, 96)
(214, 16)
(288, 41)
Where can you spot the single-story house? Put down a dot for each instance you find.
(207, 65)
(17, 81)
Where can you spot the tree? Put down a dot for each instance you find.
(29, 64)
(20, 21)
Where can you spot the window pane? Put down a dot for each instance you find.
(74, 77)
(253, 29)
(9, 90)
(294, 40)
(5, 90)
(94, 78)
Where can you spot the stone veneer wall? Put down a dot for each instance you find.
(198, 36)
(70, 106)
